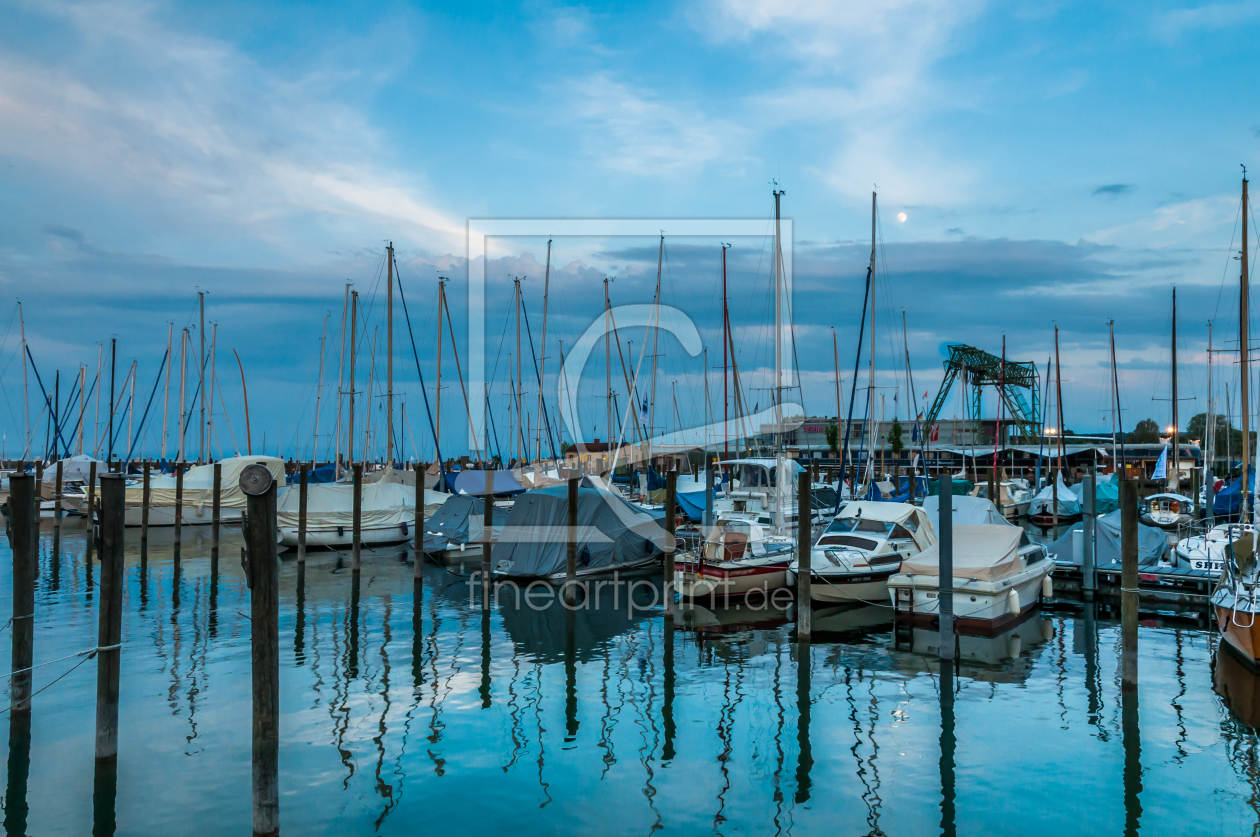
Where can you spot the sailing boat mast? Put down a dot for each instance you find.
(389, 357)
(166, 397)
(201, 371)
(781, 471)
(26, 401)
(319, 389)
(1111, 328)
(835, 352)
(608, 335)
(542, 361)
(1209, 426)
(520, 421)
(1175, 478)
(183, 377)
(870, 384)
(726, 327)
(437, 429)
(660, 260)
(341, 377)
(1244, 368)
(354, 320)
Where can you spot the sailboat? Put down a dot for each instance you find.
(1235, 600)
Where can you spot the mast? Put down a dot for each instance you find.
(1058, 397)
(870, 385)
(26, 401)
(354, 321)
(83, 400)
(341, 378)
(726, 328)
(1209, 426)
(319, 388)
(660, 260)
(389, 358)
(201, 371)
(608, 335)
(781, 489)
(1244, 369)
(835, 352)
(113, 363)
(1111, 328)
(542, 361)
(166, 397)
(214, 351)
(520, 421)
(183, 377)
(131, 403)
(1175, 481)
(96, 434)
(437, 429)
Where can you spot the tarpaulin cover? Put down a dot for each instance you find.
(74, 469)
(960, 487)
(384, 504)
(474, 482)
(1229, 499)
(316, 476)
(967, 511)
(691, 503)
(611, 532)
(199, 484)
(1107, 495)
(1069, 503)
(981, 551)
(460, 520)
(1152, 542)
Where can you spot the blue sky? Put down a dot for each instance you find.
(1057, 163)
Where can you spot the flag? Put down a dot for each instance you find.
(643, 412)
(936, 433)
(1161, 467)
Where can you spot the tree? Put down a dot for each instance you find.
(895, 444)
(1145, 431)
(833, 438)
(1228, 438)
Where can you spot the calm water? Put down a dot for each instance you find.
(525, 723)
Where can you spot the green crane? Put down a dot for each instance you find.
(981, 369)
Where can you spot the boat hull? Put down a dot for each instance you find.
(728, 580)
(1239, 629)
(342, 537)
(842, 588)
(978, 606)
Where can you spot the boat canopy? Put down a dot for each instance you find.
(1152, 542)
(199, 484)
(1168, 495)
(474, 482)
(967, 511)
(1069, 503)
(461, 519)
(75, 469)
(767, 463)
(983, 552)
(383, 504)
(911, 517)
(611, 532)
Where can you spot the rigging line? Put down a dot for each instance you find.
(1229, 257)
(91, 389)
(497, 447)
(47, 400)
(546, 417)
(423, 390)
(848, 427)
(218, 386)
(145, 417)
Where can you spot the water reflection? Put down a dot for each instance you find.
(19, 767)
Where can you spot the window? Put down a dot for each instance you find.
(848, 540)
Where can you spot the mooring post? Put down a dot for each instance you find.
(1089, 582)
(804, 703)
(945, 568)
(262, 574)
(304, 472)
(179, 506)
(216, 508)
(24, 502)
(356, 525)
(1128, 584)
(570, 563)
(708, 500)
(91, 496)
(57, 497)
(949, 744)
(1054, 501)
(671, 526)
(1209, 511)
(144, 514)
(804, 551)
(417, 569)
(487, 535)
(109, 619)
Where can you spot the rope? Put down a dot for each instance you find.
(53, 683)
(90, 652)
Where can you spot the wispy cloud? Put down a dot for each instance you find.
(1114, 189)
(1173, 24)
(1176, 225)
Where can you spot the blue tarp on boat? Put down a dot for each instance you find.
(1229, 499)
(692, 504)
(316, 476)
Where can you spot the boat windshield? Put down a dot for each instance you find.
(843, 525)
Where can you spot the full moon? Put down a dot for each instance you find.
(901, 216)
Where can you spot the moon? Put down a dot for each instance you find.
(901, 216)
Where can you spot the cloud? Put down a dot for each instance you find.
(1176, 225)
(1171, 25)
(1114, 189)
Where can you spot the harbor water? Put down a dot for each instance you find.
(610, 720)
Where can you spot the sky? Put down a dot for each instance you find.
(1037, 164)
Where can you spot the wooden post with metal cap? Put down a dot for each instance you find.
(418, 569)
(356, 561)
(57, 497)
(804, 548)
(671, 526)
(109, 630)
(1128, 584)
(215, 515)
(262, 574)
(24, 502)
(945, 579)
(487, 534)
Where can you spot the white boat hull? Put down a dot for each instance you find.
(342, 536)
(842, 588)
(976, 603)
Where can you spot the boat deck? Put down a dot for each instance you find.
(1170, 585)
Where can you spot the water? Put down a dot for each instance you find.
(523, 723)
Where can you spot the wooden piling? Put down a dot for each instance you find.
(57, 497)
(417, 569)
(671, 526)
(262, 574)
(24, 505)
(179, 504)
(91, 497)
(1054, 500)
(303, 479)
(145, 492)
(486, 536)
(109, 620)
(945, 572)
(1089, 506)
(215, 507)
(570, 564)
(356, 561)
(804, 550)
(1128, 584)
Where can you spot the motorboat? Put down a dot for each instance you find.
(1014, 497)
(198, 493)
(999, 574)
(737, 556)
(1209, 550)
(456, 533)
(1041, 509)
(1167, 511)
(1236, 601)
(862, 548)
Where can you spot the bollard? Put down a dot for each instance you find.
(303, 479)
(945, 569)
(179, 506)
(1128, 584)
(570, 564)
(109, 628)
(1089, 578)
(24, 503)
(57, 498)
(215, 509)
(417, 570)
(262, 575)
(487, 534)
(804, 550)
(671, 526)
(356, 562)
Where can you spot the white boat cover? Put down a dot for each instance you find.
(1069, 503)
(199, 484)
(461, 520)
(1152, 542)
(922, 530)
(967, 511)
(611, 532)
(384, 504)
(75, 469)
(433, 499)
(985, 552)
